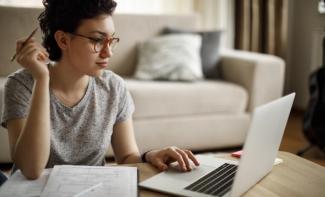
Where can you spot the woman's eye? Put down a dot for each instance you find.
(98, 40)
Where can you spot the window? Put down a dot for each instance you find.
(127, 6)
(215, 14)
(22, 3)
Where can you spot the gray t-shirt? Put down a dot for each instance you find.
(80, 135)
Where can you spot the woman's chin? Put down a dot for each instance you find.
(97, 73)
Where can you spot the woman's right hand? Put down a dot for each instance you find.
(33, 56)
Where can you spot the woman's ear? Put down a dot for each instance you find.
(62, 39)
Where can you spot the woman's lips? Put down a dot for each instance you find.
(102, 64)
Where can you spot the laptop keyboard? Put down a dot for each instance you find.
(216, 183)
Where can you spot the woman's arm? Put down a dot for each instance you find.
(126, 150)
(30, 138)
(124, 144)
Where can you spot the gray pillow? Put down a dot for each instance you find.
(173, 57)
(209, 50)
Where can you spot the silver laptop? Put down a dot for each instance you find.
(220, 177)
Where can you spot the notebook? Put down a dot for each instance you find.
(220, 177)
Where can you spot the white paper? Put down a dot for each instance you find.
(18, 186)
(66, 180)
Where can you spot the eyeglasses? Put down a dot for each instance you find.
(101, 43)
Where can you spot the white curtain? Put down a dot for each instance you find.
(155, 6)
(214, 14)
(218, 14)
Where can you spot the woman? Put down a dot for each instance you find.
(69, 112)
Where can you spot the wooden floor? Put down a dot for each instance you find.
(294, 140)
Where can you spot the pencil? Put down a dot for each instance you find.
(88, 190)
(29, 37)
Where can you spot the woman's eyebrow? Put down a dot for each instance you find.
(103, 33)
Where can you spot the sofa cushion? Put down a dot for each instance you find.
(165, 99)
(170, 57)
(209, 51)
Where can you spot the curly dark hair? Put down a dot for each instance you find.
(66, 15)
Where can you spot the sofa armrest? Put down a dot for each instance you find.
(4, 140)
(262, 75)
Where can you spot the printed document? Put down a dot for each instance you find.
(72, 180)
(18, 186)
(76, 181)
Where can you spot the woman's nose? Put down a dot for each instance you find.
(106, 52)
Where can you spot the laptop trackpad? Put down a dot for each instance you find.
(196, 173)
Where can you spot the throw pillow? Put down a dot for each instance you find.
(209, 50)
(170, 57)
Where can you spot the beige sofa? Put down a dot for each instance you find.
(201, 115)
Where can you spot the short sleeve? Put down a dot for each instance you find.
(16, 99)
(126, 104)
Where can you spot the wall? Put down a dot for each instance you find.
(304, 24)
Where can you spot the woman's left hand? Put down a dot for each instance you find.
(162, 158)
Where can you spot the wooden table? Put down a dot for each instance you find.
(294, 177)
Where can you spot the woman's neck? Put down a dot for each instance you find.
(67, 85)
(65, 79)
